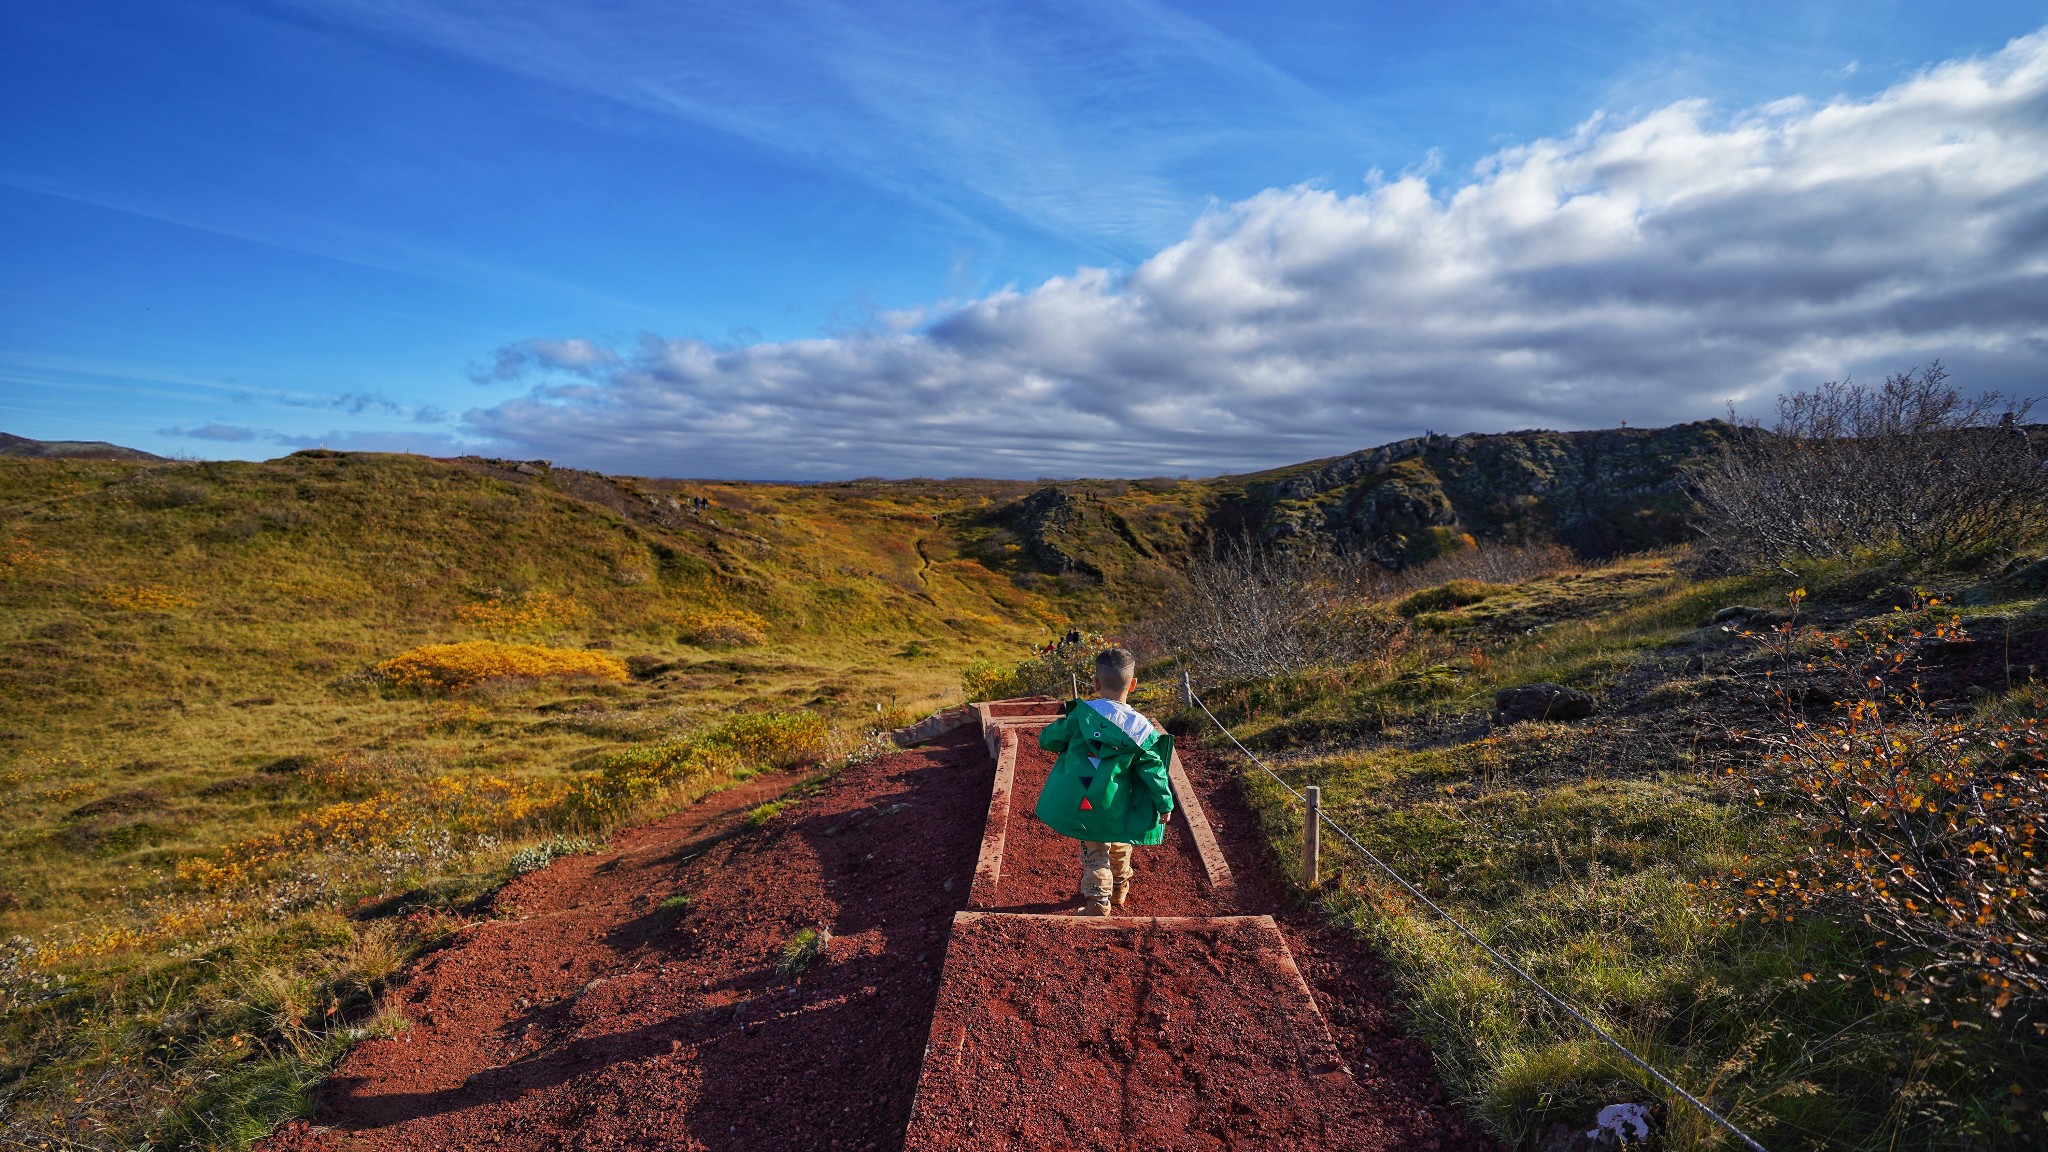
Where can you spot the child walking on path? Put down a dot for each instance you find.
(1109, 787)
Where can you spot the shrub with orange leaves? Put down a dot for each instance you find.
(532, 612)
(1924, 824)
(18, 556)
(726, 628)
(141, 598)
(448, 667)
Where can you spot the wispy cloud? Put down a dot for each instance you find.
(1646, 269)
(1023, 108)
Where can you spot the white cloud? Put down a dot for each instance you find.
(516, 360)
(226, 433)
(1646, 270)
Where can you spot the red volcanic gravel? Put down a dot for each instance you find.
(1042, 869)
(586, 1018)
(1058, 1032)
(593, 1020)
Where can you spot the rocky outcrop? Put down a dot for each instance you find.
(1541, 702)
(1050, 522)
(1601, 493)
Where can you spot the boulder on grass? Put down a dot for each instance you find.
(1541, 702)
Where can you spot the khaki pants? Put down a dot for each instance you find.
(1103, 866)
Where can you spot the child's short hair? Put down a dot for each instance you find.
(1115, 667)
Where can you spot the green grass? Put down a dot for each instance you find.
(1588, 852)
(802, 951)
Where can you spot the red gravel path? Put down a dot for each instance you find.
(1057, 1032)
(590, 1020)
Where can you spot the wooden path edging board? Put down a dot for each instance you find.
(1190, 811)
(933, 726)
(988, 865)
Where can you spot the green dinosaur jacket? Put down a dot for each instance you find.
(1109, 783)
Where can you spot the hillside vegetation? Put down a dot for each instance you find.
(268, 730)
(1607, 855)
(240, 699)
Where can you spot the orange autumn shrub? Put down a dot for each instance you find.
(141, 598)
(18, 556)
(1926, 825)
(726, 628)
(533, 612)
(449, 667)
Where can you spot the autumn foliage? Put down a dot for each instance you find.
(726, 628)
(533, 612)
(1922, 823)
(447, 667)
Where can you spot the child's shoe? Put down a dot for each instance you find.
(1091, 908)
(1123, 893)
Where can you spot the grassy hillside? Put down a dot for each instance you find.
(203, 765)
(1605, 854)
(269, 730)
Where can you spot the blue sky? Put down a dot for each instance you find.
(806, 240)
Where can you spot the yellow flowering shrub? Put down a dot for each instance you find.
(141, 598)
(464, 806)
(988, 680)
(726, 628)
(532, 612)
(447, 667)
(17, 556)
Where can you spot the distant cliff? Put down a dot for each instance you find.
(1599, 493)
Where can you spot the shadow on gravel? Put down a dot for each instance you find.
(735, 1055)
(831, 1060)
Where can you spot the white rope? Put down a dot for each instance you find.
(1489, 949)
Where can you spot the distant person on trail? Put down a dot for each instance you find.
(1109, 788)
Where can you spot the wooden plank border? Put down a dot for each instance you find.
(988, 865)
(1190, 806)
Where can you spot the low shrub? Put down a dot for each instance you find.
(1925, 827)
(762, 740)
(725, 628)
(535, 857)
(142, 598)
(988, 680)
(450, 667)
(532, 612)
(1911, 469)
(803, 950)
(1455, 594)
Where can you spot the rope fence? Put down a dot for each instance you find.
(1311, 842)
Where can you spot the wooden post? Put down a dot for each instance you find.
(1187, 690)
(1312, 839)
(1076, 678)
